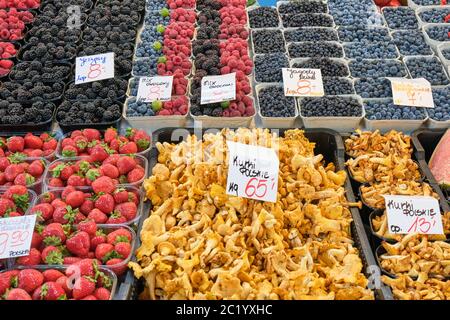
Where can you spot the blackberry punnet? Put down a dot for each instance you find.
(315, 50)
(307, 20)
(123, 32)
(62, 5)
(400, 18)
(268, 67)
(31, 91)
(380, 110)
(103, 16)
(54, 51)
(411, 43)
(428, 68)
(311, 34)
(328, 67)
(330, 106)
(263, 17)
(82, 112)
(114, 89)
(273, 102)
(121, 50)
(202, 5)
(209, 16)
(41, 71)
(14, 113)
(308, 6)
(268, 41)
(124, 6)
(373, 87)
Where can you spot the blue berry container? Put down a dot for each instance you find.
(429, 39)
(420, 12)
(444, 60)
(439, 107)
(416, 4)
(257, 8)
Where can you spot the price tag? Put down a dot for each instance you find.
(302, 82)
(412, 92)
(218, 88)
(413, 214)
(252, 172)
(15, 236)
(155, 88)
(94, 68)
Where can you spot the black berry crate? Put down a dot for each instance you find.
(328, 143)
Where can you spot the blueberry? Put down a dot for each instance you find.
(154, 18)
(311, 34)
(273, 102)
(315, 49)
(441, 110)
(376, 68)
(328, 67)
(439, 32)
(427, 2)
(355, 13)
(373, 87)
(446, 53)
(330, 106)
(400, 18)
(310, 6)
(155, 5)
(338, 86)
(386, 110)
(411, 43)
(429, 68)
(307, 20)
(373, 34)
(379, 50)
(263, 17)
(434, 15)
(268, 67)
(268, 41)
(144, 67)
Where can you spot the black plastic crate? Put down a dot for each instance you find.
(328, 143)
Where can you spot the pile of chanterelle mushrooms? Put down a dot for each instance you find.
(200, 243)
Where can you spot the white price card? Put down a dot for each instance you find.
(15, 236)
(94, 68)
(252, 172)
(413, 214)
(155, 88)
(302, 82)
(412, 92)
(218, 88)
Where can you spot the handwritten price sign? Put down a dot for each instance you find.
(218, 88)
(412, 92)
(94, 68)
(302, 82)
(15, 236)
(155, 88)
(252, 172)
(413, 214)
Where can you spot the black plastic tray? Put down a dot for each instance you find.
(329, 144)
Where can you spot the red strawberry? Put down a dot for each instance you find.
(93, 174)
(117, 266)
(33, 142)
(50, 145)
(15, 191)
(92, 134)
(89, 226)
(17, 294)
(36, 168)
(135, 175)
(109, 170)
(105, 203)
(55, 183)
(69, 151)
(29, 279)
(76, 181)
(6, 206)
(15, 144)
(103, 184)
(87, 206)
(79, 217)
(71, 260)
(98, 216)
(142, 139)
(81, 143)
(127, 209)
(116, 218)
(47, 197)
(8, 279)
(112, 159)
(79, 243)
(37, 154)
(58, 203)
(67, 190)
(32, 259)
(105, 251)
(119, 235)
(61, 170)
(115, 145)
(52, 275)
(110, 135)
(24, 179)
(44, 210)
(76, 133)
(85, 267)
(62, 215)
(120, 196)
(52, 255)
(98, 153)
(4, 163)
(125, 164)
(63, 281)
(97, 239)
(83, 287)
(50, 291)
(67, 142)
(36, 240)
(13, 171)
(128, 148)
(54, 230)
(123, 249)
(102, 294)
(75, 199)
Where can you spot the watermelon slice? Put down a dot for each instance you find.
(440, 161)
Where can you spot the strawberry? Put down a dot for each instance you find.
(105, 251)
(54, 230)
(84, 286)
(36, 240)
(81, 143)
(109, 170)
(112, 159)
(125, 164)
(52, 275)
(142, 140)
(14, 191)
(17, 294)
(98, 153)
(24, 179)
(98, 216)
(103, 184)
(123, 249)
(128, 148)
(97, 239)
(64, 282)
(29, 279)
(76, 133)
(68, 142)
(92, 134)
(93, 174)
(15, 144)
(119, 235)
(117, 266)
(32, 259)
(50, 291)
(79, 243)
(37, 154)
(105, 203)
(89, 226)
(116, 218)
(6, 206)
(76, 181)
(71, 260)
(102, 294)
(110, 135)
(58, 203)
(47, 197)
(64, 215)
(85, 267)
(127, 209)
(75, 199)
(55, 183)
(62, 171)
(43, 210)
(135, 175)
(8, 279)
(69, 151)
(4, 163)
(12, 171)
(50, 144)
(52, 255)
(67, 190)
(120, 196)
(115, 145)
(87, 206)
(79, 217)
(33, 142)
(36, 168)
